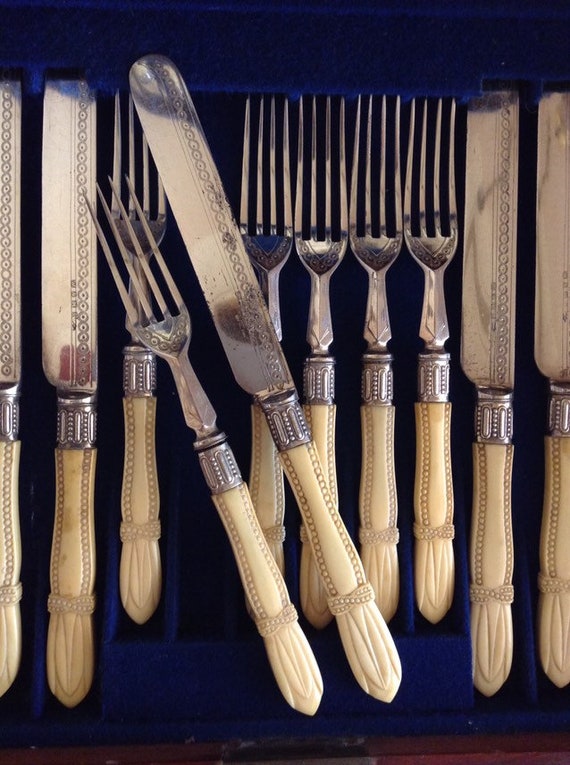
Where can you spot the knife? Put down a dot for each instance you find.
(552, 355)
(487, 358)
(217, 252)
(69, 355)
(10, 370)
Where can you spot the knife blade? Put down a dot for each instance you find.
(487, 358)
(552, 355)
(10, 372)
(217, 252)
(69, 355)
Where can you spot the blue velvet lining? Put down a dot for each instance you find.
(198, 668)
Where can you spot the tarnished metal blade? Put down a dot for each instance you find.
(69, 265)
(10, 153)
(489, 263)
(214, 243)
(552, 315)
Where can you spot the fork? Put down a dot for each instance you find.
(320, 252)
(140, 566)
(268, 240)
(376, 240)
(167, 333)
(433, 250)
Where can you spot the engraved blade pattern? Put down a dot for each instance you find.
(489, 265)
(552, 329)
(10, 151)
(205, 219)
(69, 287)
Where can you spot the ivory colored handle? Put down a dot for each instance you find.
(491, 566)
(434, 565)
(314, 600)
(554, 576)
(70, 651)
(367, 642)
(379, 506)
(291, 658)
(140, 574)
(10, 563)
(266, 485)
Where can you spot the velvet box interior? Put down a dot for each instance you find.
(198, 670)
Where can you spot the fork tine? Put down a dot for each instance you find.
(131, 133)
(397, 181)
(313, 190)
(342, 172)
(259, 189)
(436, 170)
(409, 160)
(299, 188)
(368, 171)
(452, 203)
(170, 283)
(382, 193)
(116, 150)
(328, 178)
(287, 212)
(423, 153)
(244, 200)
(272, 172)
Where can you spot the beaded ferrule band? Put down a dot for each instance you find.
(433, 378)
(76, 422)
(218, 464)
(559, 411)
(9, 413)
(139, 371)
(494, 417)
(377, 385)
(318, 380)
(286, 421)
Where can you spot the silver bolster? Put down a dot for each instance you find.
(318, 380)
(559, 410)
(139, 371)
(9, 413)
(218, 463)
(433, 377)
(286, 420)
(76, 421)
(377, 387)
(494, 416)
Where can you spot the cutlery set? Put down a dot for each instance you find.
(366, 209)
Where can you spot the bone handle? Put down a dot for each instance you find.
(379, 506)
(491, 566)
(554, 576)
(10, 562)
(434, 568)
(289, 653)
(314, 600)
(266, 485)
(70, 651)
(140, 573)
(367, 643)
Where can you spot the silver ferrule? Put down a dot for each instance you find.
(286, 420)
(9, 413)
(377, 383)
(433, 377)
(318, 380)
(494, 416)
(218, 463)
(76, 421)
(139, 371)
(559, 410)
